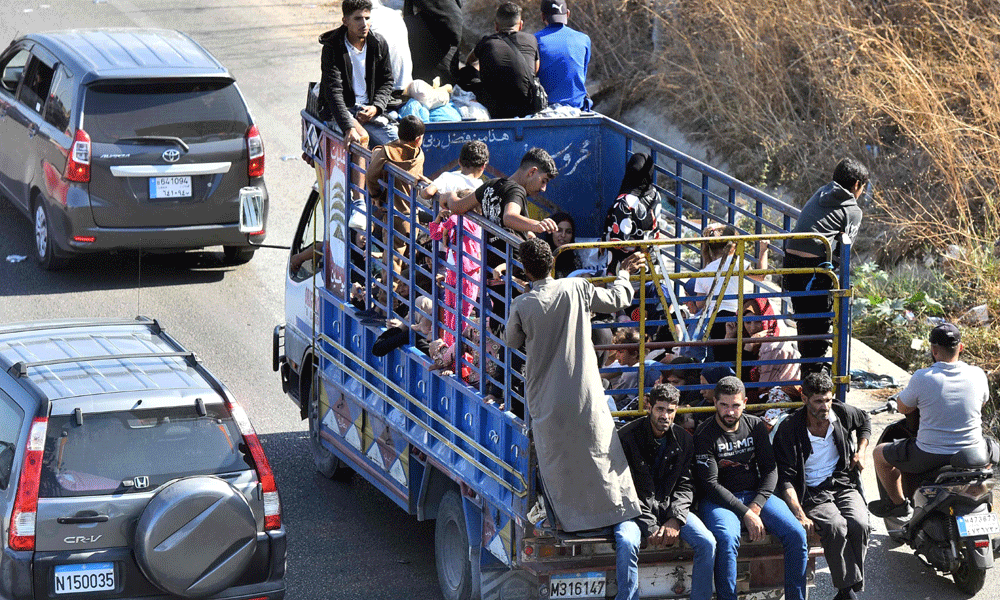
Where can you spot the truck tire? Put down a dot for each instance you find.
(969, 578)
(170, 537)
(456, 573)
(327, 463)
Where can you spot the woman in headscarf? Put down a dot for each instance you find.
(634, 216)
(568, 260)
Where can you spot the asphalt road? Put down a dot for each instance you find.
(346, 540)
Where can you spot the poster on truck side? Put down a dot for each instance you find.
(335, 197)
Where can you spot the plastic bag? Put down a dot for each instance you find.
(430, 95)
(413, 107)
(445, 113)
(467, 106)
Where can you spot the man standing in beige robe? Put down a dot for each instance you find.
(583, 466)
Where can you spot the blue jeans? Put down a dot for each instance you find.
(694, 533)
(778, 521)
(627, 540)
(380, 130)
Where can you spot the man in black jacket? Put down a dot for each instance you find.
(832, 212)
(819, 474)
(660, 454)
(356, 101)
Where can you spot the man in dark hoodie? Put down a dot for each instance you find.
(434, 28)
(356, 81)
(660, 454)
(819, 451)
(832, 212)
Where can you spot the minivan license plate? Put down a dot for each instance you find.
(170, 187)
(577, 585)
(973, 525)
(86, 577)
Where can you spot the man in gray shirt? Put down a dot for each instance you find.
(950, 395)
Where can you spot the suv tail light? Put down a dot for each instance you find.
(22, 519)
(269, 490)
(255, 153)
(78, 161)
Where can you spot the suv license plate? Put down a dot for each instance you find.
(577, 585)
(86, 577)
(973, 525)
(169, 187)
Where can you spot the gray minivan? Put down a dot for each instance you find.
(127, 138)
(128, 471)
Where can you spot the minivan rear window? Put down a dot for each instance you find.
(132, 451)
(195, 111)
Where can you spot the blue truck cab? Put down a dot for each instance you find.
(458, 448)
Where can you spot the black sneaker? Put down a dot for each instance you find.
(885, 508)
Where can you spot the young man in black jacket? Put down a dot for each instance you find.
(819, 474)
(736, 472)
(356, 100)
(832, 212)
(660, 454)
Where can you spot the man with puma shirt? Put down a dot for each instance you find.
(737, 474)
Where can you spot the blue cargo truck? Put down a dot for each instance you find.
(458, 448)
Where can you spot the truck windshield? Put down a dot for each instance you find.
(120, 452)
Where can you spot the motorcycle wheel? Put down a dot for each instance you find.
(969, 578)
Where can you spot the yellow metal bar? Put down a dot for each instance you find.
(718, 301)
(430, 430)
(642, 339)
(741, 250)
(711, 409)
(657, 280)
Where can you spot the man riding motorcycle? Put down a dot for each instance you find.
(950, 395)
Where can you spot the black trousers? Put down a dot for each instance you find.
(805, 305)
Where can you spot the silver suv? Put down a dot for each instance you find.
(126, 138)
(128, 471)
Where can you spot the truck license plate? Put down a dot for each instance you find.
(577, 585)
(86, 577)
(973, 525)
(169, 187)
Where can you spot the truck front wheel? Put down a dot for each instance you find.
(451, 550)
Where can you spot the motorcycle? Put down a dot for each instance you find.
(952, 522)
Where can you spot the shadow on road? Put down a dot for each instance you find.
(899, 573)
(101, 271)
(346, 538)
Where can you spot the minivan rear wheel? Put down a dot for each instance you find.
(45, 246)
(238, 255)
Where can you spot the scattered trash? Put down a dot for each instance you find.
(934, 321)
(866, 380)
(977, 315)
(917, 344)
(289, 157)
(954, 252)
(15, 258)
(909, 315)
(28, 10)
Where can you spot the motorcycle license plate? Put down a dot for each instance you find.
(973, 525)
(577, 585)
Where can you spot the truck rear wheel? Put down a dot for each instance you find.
(451, 551)
(327, 463)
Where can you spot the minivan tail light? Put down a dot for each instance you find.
(269, 489)
(22, 520)
(78, 161)
(255, 153)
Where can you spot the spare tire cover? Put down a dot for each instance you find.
(195, 537)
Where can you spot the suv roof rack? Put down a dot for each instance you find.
(20, 369)
(154, 325)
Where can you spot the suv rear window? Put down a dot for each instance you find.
(111, 451)
(195, 111)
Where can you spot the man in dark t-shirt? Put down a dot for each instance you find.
(737, 473)
(504, 202)
(507, 74)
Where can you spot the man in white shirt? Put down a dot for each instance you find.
(950, 395)
(819, 451)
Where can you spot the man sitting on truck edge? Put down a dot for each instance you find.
(834, 213)
(584, 472)
(564, 56)
(819, 449)
(660, 454)
(950, 395)
(737, 473)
